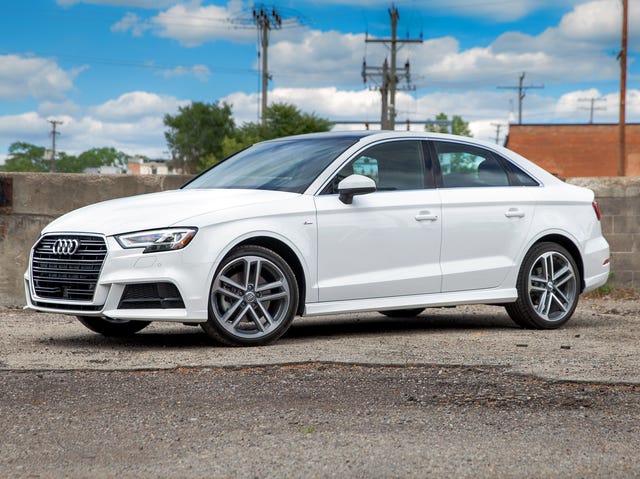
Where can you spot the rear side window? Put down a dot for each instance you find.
(464, 166)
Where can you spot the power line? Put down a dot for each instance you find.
(522, 91)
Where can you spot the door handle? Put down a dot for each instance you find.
(514, 213)
(426, 216)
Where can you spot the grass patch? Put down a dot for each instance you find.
(613, 291)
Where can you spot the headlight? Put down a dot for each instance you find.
(168, 239)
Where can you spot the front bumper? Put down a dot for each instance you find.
(124, 267)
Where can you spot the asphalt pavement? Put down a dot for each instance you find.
(453, 393)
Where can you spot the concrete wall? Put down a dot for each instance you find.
(619, 200)
(29, 201)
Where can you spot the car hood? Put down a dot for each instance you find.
(158, 210)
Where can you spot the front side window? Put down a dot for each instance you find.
(468, 166)
(394, 166)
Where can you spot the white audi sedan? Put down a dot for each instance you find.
(327, 223)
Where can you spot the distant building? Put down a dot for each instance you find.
(576, 150)
(104, 170)
(141, 166)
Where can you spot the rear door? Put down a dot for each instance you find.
(486, 215)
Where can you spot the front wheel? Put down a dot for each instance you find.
(253, 299)
(548, 288)
(112, 327)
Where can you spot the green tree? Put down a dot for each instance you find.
(105, 156)
(93, 158)
(459, 126)
(196, 133)
(26, 157)
(68, 163)
(284, 119)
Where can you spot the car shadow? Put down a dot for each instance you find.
(178, 336)
(379, 324)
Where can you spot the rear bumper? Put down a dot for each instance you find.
(597, 267)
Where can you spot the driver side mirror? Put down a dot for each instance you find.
(355, 185)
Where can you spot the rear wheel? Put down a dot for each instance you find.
(402, 313)
(253, 299)
(112, 327)
(548, 288)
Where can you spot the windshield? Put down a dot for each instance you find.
(281, 165)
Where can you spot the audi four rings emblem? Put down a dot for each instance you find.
(65, 247)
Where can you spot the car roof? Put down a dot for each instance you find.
(377, 134)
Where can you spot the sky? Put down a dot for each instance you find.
(110, 70)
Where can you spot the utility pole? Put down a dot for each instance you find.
(266, 21)
(622, 122)
(383, 74)
(592, 107)
(392, 78)
(522, 91)
(54, 133)
(498, 128)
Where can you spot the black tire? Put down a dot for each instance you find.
(402, 313)
(112, 327)
(246, 312)
(548, 287)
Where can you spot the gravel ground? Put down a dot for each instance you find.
(454, 393)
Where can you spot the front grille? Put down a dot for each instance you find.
(70, 277)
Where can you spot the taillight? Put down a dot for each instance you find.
(596, 208)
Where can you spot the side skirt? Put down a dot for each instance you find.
(488, 296)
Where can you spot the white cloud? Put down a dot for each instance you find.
(40, 78)
(596, 21)
(132, 123)
(136, 105)
(570, 51)
(193, 24)
(26, 125)
(326, 102)
(131, 23)
(479, 108)
(329, 58)
(53, 108)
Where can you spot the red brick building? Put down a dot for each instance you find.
(576, 150)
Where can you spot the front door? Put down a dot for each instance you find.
(385, 243)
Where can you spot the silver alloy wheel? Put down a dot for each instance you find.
(250, 297)
(552, 286)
